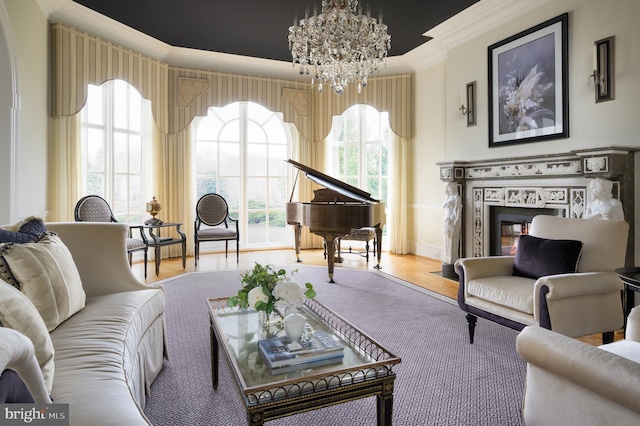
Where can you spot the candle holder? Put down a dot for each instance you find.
(153, 207)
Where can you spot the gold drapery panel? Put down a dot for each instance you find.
(79, 58)
(172, 171)
(64, 168)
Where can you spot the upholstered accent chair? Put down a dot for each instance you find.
(572, 383)
(562, 278)
(212, 211)
(93, 208)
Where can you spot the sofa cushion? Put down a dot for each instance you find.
(512, 292)
(18, 313)
(104, 339)
(48, 277)
(24, 231)
(539, 257)
(625, 348)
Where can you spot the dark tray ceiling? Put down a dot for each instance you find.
(259, 28)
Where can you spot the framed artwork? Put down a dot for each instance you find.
(528, 87)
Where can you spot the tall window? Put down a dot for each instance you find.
(358, 149)
(240, 151)
(115, 124)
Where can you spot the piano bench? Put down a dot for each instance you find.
(365, 234)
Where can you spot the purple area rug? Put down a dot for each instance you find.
(442, 380)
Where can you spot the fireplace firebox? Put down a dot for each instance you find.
(508, 223)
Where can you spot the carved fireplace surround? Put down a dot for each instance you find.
(556, 181)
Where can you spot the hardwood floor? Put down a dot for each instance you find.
(414, 269)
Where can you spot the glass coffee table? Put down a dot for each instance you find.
(366, 369)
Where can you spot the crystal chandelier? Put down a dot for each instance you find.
(339, 47)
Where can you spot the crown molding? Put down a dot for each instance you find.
(471, 22)
(51, 6)
(84, 19)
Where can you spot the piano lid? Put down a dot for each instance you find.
(334, 184)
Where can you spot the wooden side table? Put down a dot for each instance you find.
(152, 236)
(631, 278)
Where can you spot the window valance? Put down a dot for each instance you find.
(179, 94)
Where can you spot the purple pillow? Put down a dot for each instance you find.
(539, 257)
(12, 389)
(28, 232)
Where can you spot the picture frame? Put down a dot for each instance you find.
(528, 85)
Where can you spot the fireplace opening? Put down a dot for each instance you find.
(508, 223)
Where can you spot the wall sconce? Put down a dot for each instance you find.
(468, 98)
(603, 69)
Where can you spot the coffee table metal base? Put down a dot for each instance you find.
(257, 416)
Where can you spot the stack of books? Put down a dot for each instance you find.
(282, 355)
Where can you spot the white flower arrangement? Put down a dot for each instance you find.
(264, 289)
(256, 295)
(288, 294)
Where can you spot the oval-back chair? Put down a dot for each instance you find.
(93, 208)
(212, 211)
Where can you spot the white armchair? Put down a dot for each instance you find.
(583, 299)
(573, 383)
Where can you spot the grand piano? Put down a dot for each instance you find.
(334, 212)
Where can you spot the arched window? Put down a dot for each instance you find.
(358, 149)
(115, 137)
(240, 154)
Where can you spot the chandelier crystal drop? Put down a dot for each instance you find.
(338, 47)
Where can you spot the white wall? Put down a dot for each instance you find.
(7, 141)
(591, 124)
(426, 196)
(30, 30)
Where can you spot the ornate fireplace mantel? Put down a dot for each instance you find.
(556, 181)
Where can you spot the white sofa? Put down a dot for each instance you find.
(109, 352)
(573, 383)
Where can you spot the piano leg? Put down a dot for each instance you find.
(297, 232)
(379, 245)
(331, 252)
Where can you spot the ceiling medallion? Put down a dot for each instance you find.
(338, 47)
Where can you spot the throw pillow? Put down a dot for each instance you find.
(48, 276)
(24, 231)
(5, 271)
(539, 257)
(13, 390)
(18, 313)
